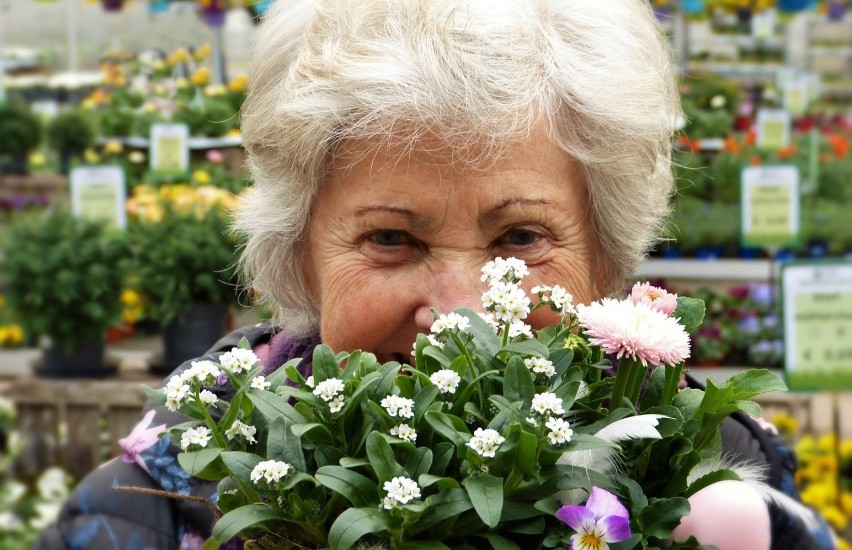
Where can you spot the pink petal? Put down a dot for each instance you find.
(614, 528)
(603, 503)
(574, 516)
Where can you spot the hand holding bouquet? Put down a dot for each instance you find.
(497, 436)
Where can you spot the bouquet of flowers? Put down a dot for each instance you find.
(495, 436)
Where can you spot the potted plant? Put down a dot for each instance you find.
(20, 133)
(185, 258)
(64, 277)
(70, 133)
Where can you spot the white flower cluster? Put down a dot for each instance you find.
(560, 299)
(270, 471)
(540, 365)
(447, 380)
(560, 431)
(239, 428)
(404, 431)
(400, 490)
(547, 403)
(195, 436)
(507, 301)
(329, 391)
(208, 398)
(510, 269)
(260, 383)
(239, 360)
(450, 321)
(179, 387)
(485, 442)
(398, 406)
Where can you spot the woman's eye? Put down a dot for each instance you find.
(519, 237)
(388, 237)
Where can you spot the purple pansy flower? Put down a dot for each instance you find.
(602, 520)
(140, 439)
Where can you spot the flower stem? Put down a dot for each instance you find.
(672, 382)
(208, 420)
(622, 373)
(637, 377)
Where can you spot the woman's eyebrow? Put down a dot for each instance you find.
(412, 218)
(500, 210)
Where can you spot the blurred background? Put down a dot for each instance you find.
(121, 158)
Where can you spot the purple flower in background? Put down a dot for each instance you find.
(761, 293)
(602, 520)
(750, 325)
(770, 321)
(140, 439)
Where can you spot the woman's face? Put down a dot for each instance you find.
(395, 233)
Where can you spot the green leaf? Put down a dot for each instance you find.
(272, 406)
(444, 483)
(157, 395)
(690, 311)
(235, 522)
(527, 348)
(525, 453)
(423, 545)
(751, 382)
(518, 382)
(354, 523)
(282, 444)
(240, 464)
(358, 489)
(483, 334)
(388, 373)
(486, 494)
(444, 505)
(661, 516)
(381, 457)
(422, 400)
(585, 442)
(418, 462)
(451, 427)
(499, 543)
(709, 479)
(203, 464)
(443, 453)
(318, 434)
(324, 364)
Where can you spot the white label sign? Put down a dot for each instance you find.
(98, 193)
(817, 312)
(773, 128)
(770, 206)
(169, 148)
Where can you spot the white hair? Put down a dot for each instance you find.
(480, 74)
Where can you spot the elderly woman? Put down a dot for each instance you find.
(398, 145)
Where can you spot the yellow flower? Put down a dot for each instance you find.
(806, 448)
(178, 56)
(819, 495)
(201, 77)
(88, 104)
(834, 517)
(202, 177)
(132, 306)
(828, 443)
(202, 52)
(4, 335)
(136, 157)
(181, 83)
(239, 83)
(846, 502)
(113, 147)
(14, 334)
(91, 156)
(786, 424)
(37, 159)
(214, 90)
(846, 450)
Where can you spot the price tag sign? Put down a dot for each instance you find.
(797, 96)
(773, 128)
(169, 152)
(770, 206)
(98, 193)
(817, 319)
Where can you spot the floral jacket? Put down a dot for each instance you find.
(101, 514)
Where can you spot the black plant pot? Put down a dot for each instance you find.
(191, 335)
(86, 361)
(67, 157)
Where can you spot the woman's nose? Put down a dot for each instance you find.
(448, 291)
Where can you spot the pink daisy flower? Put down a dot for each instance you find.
(656, 297)
(634, 330)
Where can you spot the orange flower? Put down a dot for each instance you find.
(839, 144)
(732, 146)
(787, 152)
(755, 160)
(750, 138)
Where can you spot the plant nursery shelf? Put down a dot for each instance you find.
(35, 185)
(710, 270)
